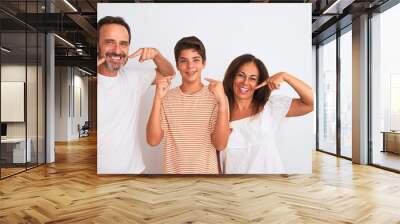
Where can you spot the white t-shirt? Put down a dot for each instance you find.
(118, 102)
(252, 147)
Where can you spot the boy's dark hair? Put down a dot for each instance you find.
(113, 20)
(191, 42)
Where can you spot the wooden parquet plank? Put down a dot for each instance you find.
(70, 191)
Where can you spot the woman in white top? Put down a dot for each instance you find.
(255, 115)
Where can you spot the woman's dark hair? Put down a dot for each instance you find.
(261, 95)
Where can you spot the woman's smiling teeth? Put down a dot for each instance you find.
(244, 90)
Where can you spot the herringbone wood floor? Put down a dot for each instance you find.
(70, 191)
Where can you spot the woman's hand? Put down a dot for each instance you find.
(274, 82)
(300, 106)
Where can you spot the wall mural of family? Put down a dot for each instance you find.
(213, 126)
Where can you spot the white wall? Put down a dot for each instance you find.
(278, 34)
(67, 83)
(61, 103)
(80, 84)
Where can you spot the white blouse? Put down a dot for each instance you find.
(252, 147)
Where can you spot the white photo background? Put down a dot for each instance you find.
(278, 34)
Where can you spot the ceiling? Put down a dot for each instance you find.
(75, 21)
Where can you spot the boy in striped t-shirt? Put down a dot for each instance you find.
(192, 119)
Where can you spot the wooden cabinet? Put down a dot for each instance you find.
(391, 141)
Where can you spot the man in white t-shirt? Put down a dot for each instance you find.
(121, 86)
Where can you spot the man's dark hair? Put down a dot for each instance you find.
(113, 20)
(191, 42)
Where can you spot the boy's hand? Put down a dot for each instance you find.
(217, 89)
(145, 54)
(162, 86)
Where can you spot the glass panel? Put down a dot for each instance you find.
(386, 89)
(327, 97)
(13, 87)
(14, 152)
(23, 84)
(31, 101)
(32, 86)
(41, 98)
(346, 93)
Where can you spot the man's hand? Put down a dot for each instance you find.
(100, 61)
(145, 54)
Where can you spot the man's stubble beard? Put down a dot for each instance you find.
(111, 68)
(109, 65)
